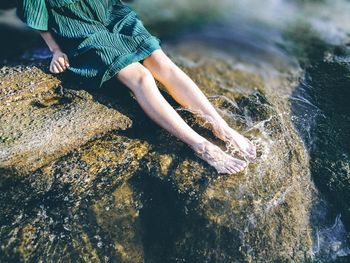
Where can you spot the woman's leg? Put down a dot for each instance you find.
(187, 94)
(142, 84)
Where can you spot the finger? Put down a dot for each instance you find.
(55, 69)
(65, 57)
(66, 60)
(58, 66)
(51, 67)
(63, 66)
(67, 63)
(62, 63)
(61, 60)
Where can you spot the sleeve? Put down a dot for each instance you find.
(33, 13)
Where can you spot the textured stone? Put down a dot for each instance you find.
(41, 121)
(122, 191)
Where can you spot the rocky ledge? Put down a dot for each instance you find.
(86, 176)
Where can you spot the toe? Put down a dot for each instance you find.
(252, 150)
(242, 167)
(241, 163)
(252, 153)
(236, 170)
(222, 171)
(232, 169)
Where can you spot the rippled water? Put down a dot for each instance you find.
(276, 38)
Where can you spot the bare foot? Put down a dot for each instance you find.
(242, 146)
(246, 149)
(217, 158)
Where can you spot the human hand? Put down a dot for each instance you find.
(59, 62)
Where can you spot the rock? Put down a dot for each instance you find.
(72, 207)
(118, 216)
(326, 116)
(262, 214)
(41, 121)
(112, 190)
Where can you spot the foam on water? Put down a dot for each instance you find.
(331, 241)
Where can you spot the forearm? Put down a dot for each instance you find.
(50, 41)
(59, 62)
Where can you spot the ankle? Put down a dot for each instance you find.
(219, 129)
(200, 147)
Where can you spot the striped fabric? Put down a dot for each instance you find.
(100, 37)
(34, 13)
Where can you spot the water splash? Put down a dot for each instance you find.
(331, 241)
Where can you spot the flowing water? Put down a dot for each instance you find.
(300, 51)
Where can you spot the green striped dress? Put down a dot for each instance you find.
(100, 37)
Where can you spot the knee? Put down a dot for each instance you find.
(143, 77)
(161, 62)
(141, 80)
(136, 77)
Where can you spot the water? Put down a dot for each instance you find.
(299, 50)
(261, 35)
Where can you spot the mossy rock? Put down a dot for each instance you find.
(128, 191)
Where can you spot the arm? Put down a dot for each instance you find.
(59, 61)
(34, 13)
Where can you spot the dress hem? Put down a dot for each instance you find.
(146, 48)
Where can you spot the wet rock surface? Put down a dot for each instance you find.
(321, 109)
(40, 120)
(86, 176)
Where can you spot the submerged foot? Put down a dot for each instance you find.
(217, 158)
(245, 148)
